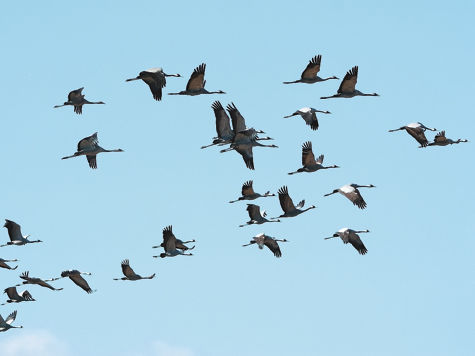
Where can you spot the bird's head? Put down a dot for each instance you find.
(312, 207)
(372, 186)
(285, 240)
(220, 92)
(335, 235)
(101, 102)
(120, 150)
(375, 94)
(334, 191)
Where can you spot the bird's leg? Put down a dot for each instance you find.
(264, 138)
(330, 194)
(74, 155)
(233, 201)
(295, 81)
(86, 273)
(213, 144)
(227, 150)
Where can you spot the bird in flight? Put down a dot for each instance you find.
(16, 237)
(347, 86)
(352, 193)
(270, 242)
(78, 280)
(129, 273)
(155, 78)
(196, 83)
(309, 75)
(76, 99)
(416, 130)
(351, 236)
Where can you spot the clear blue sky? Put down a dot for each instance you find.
(412, 294)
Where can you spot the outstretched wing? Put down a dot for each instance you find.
(75, 95)
(82, 283)
(273, 246)
(418, 134)
(356, 198)
(440, 137)
(88, 143)
(11, 318)
(286, 202)
(196, 81)
(308, 158)
(247, 156)
(313, 67)
(169, 239)
(14, 230)
(254, 212)
(223, 127)
(27, 296)
(92, 160)
(127, 270)
(12, 293)
(156, 81)
(247, 188)
(355, 240)
(239, 124)
(348, 83)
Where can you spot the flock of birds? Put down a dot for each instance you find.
(232, 132)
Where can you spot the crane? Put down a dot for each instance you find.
(38, 281)
(347, 86)
(89, 147)
(352, 193)
(416, 130)
(308, 160)
(7, 324)
(16, 237)
(309, 75)
(248, 193)
(196, 83)
(172, 246)
(15, 297)
(351, 236)
(155, 78)
(78, 280)
(129, 273)
(441, 140)
(270, 242)
(256, 216)
(4, 265)
(76, 99)
(287, 205)
(309, 115)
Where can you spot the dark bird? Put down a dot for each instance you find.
(309, 75)
(308, 160)
(196, 83)
(129, 273)
(6, 324)
(31, 280)
(76, 99)
(16, 237)
(309, 115)
(270, 242)
(287, 205)
(224, 132)
(78, 280)
(416, 130)
(352, 193)
(155, 78)
(4, 265)
(347, 86)
(173, 246)
(441, 140)
(15, 297)
(351, 236)
(89, 147)
(248, 193)
(256, 216)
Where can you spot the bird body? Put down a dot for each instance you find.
(347, 86)
(76, 99)
(196, 83)
(89, 147)
(256, 216)
(416, 130)
(7, 324)
(309, 116)
(351, 192)
(309, 75)
(308, 160)
(4, 265)
(16, 237)
(351, 236)
(78, 280)
(270, 242)
(287, 205)
(129, 273)
(15, 297)
(155, 78)
(248, 193)
(441, 140)
(173, 247)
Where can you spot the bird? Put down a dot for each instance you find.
(309, 75)
(416, 130)
(243, 143)
(287, 205)
(352, 193)
(76, 99)
(223, 128)
(264, 240)
(308, 160)
(6, 324)
(441, 140)
(15, 297)
(351, 236)
(89, 147)
(347, 86)
(4, 265)
(129, 273)
(239, 123)
(248, 193)
(32, 280)
(78, 280)
(173, 246)
(16, 237)
(155, 78)
(308, 114)
(196, 83)
(256, 216)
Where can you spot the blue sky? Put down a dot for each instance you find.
(412, 294)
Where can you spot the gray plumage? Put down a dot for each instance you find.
(155, 78)
(308, 160)
(351, 192)
(15, 235)
(416, 130)
(347, 87)
(351, 236)
(309, 75)
(76, 99)
(270, 242)
(7, 324)
(287, 205)
(256, 216)
(78, 280)
(248, 193)
(129, 273)
(196, 83)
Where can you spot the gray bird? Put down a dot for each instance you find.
(308, 160)
(4, 265)
(129, 273)
(416, 130)
(196, 83)
(16, 237)
(155, 78)
(309, 75)
(256, 216)
(38, 281)
(173, 246)
(270, 242)
(352, 193)
(309, 115)
(347, 86)
(441, 140)
(287, 205)
(78, 280)
(15, 297)
(76, 99)
(351, 236)
(248, 193)
(7, 324)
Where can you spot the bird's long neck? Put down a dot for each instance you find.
(328, 167)
(116, 150)
(186, 242)
(310, 207)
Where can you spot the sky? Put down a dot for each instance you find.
(412, 294)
